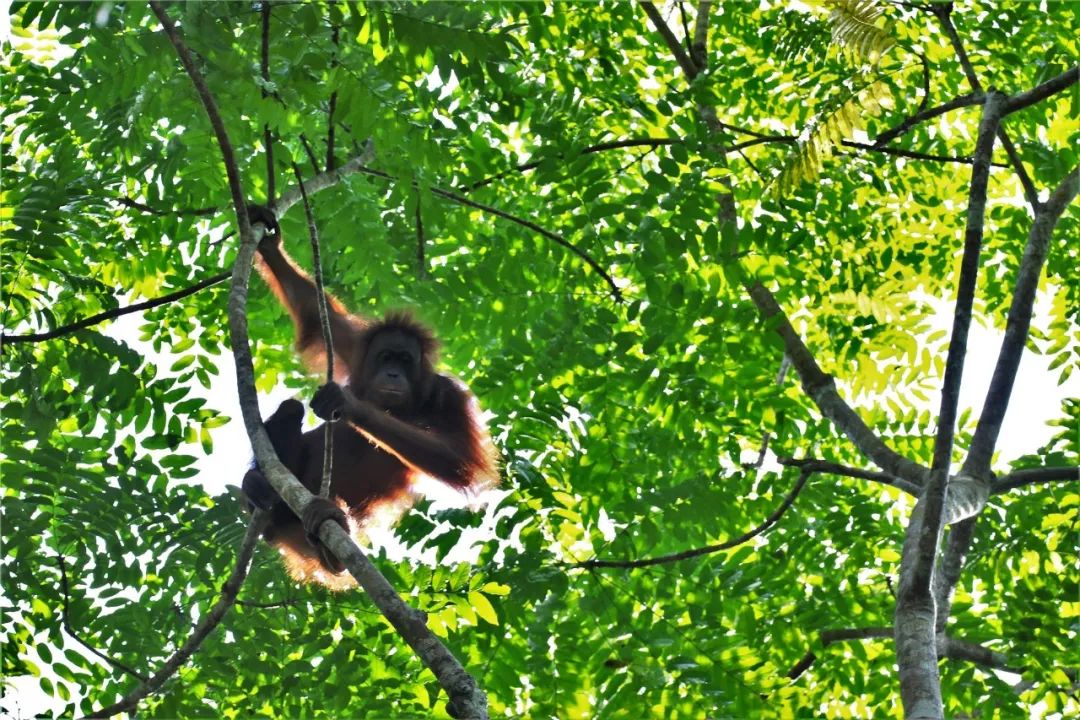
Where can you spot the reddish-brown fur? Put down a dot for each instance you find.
(378, 450)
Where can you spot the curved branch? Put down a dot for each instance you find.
(1034, 476)
(773, 518)
(206, 625)
(65, 620)
(975, 98)
(114, 313)
(462, 200)
(828, 637)
(831, 468)
(1018, 324)
(821, 388)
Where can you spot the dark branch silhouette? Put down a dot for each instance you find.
(65, 617)
(1034, 476)
(775, 516)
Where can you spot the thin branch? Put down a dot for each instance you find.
(821, 388)
(268, 139)
(1018, 324)
(599, 147)
(952, 564)
(114, 313)
(1043, 91)
(1034, 476)
(462, 200)
(912, 154)
(65, 619)
(421, 262)
(310, 153)
(943, 13)
(828, 637)
(324, 323)
(831, 468)
(333, 106)
(688, 67)
(205, 626)
(143, 207)
(975, 98)
(775, 516)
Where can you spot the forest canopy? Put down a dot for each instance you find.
(772, 308)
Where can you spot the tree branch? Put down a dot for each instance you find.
(114, 313)
(143, 207)
(975, 98)
(1018, 325)
(205, 626)
(831, 468)
(1043, 91)
(268, 139)
(821, 388)
(1033, 476)
(943, 13)
(688, 67)
(462, 200)
(828, 637)
(775, 516)
(65, 619)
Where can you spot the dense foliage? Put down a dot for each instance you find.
(545, 192)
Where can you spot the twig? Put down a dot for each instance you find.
(821, 388)
(310, 153)
(831, 468)
(143, 207)
(324, 322)
(1033, 476)
(776, 514)
(268, 139)
(333, 106)
(1018, 324)
(205, 626)
(688, 66)
(943, 13)
(114, 313)
(65, 617)
(461, 199)
(421, 263)
(975, 98)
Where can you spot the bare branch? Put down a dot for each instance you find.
(1018, 324)
(828, 637)
(821, 388)
(1034, 476)
(943, 11)
(205, 626)
(268, 138)
(699, 45)
(462, 200)
(114, 313)
(952, 564)
(688, 67)
(698, 552)
(1041, 92)
(143, 207)
(65, 618)
(831, 468)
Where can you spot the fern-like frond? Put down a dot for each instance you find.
(854, 28)
(827, 132)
